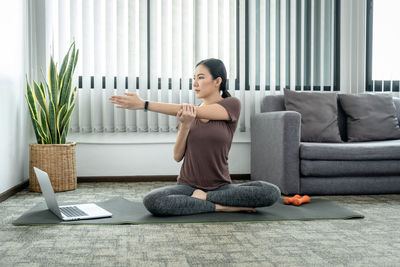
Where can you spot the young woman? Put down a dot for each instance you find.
(204, 140)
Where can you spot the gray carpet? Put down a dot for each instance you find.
(374, 240)
(128, 212)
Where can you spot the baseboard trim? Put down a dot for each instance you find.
(13, 190)
(153, 178)
(156, 178)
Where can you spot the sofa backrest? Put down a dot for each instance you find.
(396, 101)
(276, 103)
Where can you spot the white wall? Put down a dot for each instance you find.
(147, 154)
(14, 129)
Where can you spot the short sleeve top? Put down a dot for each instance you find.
(205, 163)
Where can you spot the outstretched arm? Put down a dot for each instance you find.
(134, 101)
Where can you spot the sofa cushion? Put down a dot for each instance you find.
(376, 150)
(319, 122)
(349, 167)
(272, 103)
(370, 117)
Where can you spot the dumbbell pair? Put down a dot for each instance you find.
(297, 200)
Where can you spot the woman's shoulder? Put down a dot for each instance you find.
(230, 99)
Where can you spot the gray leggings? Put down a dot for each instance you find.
(177, 200)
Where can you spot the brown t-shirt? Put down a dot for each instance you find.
(205, 163)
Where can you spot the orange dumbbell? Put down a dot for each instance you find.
(299, 201)
(289, 200)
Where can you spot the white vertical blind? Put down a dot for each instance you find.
(86, 57)
(176, 52)
(63, 28)
(302, 43)
(187, 48)
(133, 58)
(242, 64)
(332, 45)
(99, 66)
(283, 44)
(232, 71)
(212, 24)
(322, 47)
(108, 119)
(263, 17)
(75, 35)
(252, 59)
(143, 62)
(152, 46)
(154, 59)
(361, 51)
(166, 36)
(222, 33)
(272, 51)
(312, 51)
(122, 42)
(352, 46)
(293, 56)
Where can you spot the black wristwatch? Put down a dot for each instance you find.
(146, 105)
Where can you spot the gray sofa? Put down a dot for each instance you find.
(279, 157)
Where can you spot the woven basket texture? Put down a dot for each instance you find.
(58, 160)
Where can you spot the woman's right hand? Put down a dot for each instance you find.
(186, 114)
(128, 101)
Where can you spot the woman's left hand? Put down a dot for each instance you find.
(128, 101)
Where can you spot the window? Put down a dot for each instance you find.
(383, 45)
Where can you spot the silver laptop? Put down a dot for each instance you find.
(67, 212)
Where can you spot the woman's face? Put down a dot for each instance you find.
(203, 82)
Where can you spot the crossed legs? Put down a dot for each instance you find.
(200, 194)
(183, 199)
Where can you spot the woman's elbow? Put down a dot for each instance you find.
(177, 158)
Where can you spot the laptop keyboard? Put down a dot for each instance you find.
(72, 211)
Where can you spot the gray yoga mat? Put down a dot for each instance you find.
(128, 212)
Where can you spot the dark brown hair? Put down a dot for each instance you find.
(217, 69)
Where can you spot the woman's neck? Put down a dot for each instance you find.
(212, 99)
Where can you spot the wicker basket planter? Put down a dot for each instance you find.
(58, 160)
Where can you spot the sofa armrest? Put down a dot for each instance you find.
(275, 143)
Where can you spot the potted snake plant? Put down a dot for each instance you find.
(51, 104)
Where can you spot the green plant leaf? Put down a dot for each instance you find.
(53, 81)
(40, 135)
(65, 121)
(53, 105)
(40, 97)
(32, 110)
(64, 64)
(72, 97)
(67, 78)
(60, 116)
(44, 127)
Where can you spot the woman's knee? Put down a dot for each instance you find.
(156, 201)
(272, 192)
(150, 201)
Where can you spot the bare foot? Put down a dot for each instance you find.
(200, 194)
(233, 209)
